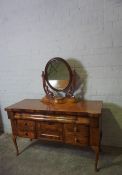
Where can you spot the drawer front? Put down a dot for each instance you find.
(49, 130)
(83, 141)
(76, 140)
(69, 127)
(70, 138)
(83, 120)
(27, 134)
(26, 125)
(77, 134)
(76, 128)
(82, 130)
(49, 127)
(52, 137)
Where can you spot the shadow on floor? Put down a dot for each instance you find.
(111, 125)
(1, 124)
(35, 156)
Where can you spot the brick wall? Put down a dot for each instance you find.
(88, 32)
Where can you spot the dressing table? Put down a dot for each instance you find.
(58, 116)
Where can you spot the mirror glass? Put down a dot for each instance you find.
(58, 75)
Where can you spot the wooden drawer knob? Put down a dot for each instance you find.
(75, 129)
(26, 134)
(76, 140)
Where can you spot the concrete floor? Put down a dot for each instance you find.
(39, 158)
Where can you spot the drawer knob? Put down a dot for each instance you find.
(25, 124)
(76, 140)
(26, 134)
(75, 129)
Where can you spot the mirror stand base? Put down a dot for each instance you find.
(58, 100)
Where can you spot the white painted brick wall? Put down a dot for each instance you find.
(33, 31)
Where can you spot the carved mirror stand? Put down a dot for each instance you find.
(58, 81)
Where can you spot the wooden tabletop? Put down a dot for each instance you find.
(35, 105)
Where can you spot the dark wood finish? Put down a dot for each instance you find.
(71, 123)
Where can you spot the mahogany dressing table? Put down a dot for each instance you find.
(58, 119)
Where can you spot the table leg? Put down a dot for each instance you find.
(96, 159)
(15, 143)
(100, 140)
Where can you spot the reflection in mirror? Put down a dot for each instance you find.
(58, 75)
(59, 84)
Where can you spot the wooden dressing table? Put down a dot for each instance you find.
(58, 116)
(72, 123)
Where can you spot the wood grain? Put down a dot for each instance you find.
(71, 123)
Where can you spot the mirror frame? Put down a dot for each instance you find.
(67, 66)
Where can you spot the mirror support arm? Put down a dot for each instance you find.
(46, 89)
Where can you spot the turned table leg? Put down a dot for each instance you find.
(15, 143)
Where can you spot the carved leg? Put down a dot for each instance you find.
(97, 158)
(31, 139)
(15, 143)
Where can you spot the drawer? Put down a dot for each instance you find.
(26, 125)
(53, 137)
(49, 130)
(83, 120)
(69, 138)
(49, 127)
(77, 128)
(27, 134)
(82, 130)
(83, 141)
(69, 127)
(75, 139)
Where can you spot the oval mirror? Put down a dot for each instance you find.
(58, 74)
